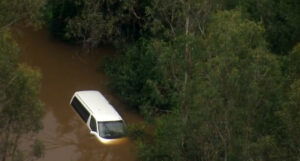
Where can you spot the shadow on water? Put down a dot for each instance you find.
(64, 72)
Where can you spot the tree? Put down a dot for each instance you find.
(294, 63)
(290, 117)
(91, 22)
(240, 81)
(20, 108)
(234, 97)
(140, 76)
(281, 20)
(106, 22)
(168, 19)
(57, 13)
(13, 11)
(289, 113)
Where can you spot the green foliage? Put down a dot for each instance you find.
(139, 77)
(92, 22)
(13, 11)
(138, 131)
(294, 63)
(58, 12)
(238, 82)
(290, 115)
(169, 18)
(152, 75)
(8, 60)
(231, 114)
(168, 141)
(20, 109)
(106, 22)
(281, 19)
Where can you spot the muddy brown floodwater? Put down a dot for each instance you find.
(64, 71)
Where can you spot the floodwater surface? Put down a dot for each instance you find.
(64, 71)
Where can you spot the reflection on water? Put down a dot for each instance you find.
(64, 72)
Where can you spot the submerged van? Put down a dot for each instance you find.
(100, 117)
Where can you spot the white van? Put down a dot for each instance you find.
(100, 117)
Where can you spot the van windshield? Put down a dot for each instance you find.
(111, 129)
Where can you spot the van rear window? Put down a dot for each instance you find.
(83, 113)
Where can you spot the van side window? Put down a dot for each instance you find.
(93, 124)
(83, 113)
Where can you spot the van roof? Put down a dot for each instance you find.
(97, 104)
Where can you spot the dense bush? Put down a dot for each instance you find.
(57, 13)
(91, 22)
(233, 111)
(281, 20)
(140, 78)
(20, 108)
